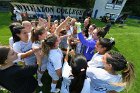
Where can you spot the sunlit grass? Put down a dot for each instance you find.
(126, 37)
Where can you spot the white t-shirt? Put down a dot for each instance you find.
(66, 72)
(36, 44)
(54, 60)
(96, 61)
(89, 37)
(11, 41)
(22, 47)
(69, 32)
(101, 80)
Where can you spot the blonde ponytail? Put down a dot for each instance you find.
(45, 48)
(128, 74)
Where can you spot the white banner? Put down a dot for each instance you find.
(38, 9)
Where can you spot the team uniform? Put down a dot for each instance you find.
(63, 44)
(36, 44)
(43, 67)
(89, 46)
(11, 41)
(54, 62)
(67, 76)
(96, 61)
(101, 80)
(69, 32)
(22, 47)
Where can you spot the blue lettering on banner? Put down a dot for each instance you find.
(58, 10)
(30, 8)
(48, 9)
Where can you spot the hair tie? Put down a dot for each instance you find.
(82, 69)
(111, 39)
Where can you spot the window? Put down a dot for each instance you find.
(117, 2)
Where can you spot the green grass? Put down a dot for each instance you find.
(127, 42)
(126, 38)
(4, 30)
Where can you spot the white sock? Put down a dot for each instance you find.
(39, 76)
(53, 86)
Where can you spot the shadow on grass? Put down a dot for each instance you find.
(46, 80)
(128, 22)
(133, 22)
(115, 49)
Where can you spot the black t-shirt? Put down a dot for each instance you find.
(19, 79)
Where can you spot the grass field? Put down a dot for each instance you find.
(126, 38)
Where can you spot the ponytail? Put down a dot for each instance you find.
(106, 29)
(45, 48)
(32, 35)
(128, 74)
(77, 83)
(36, 32)
(79, 66)
(48, 44)
(100, 32)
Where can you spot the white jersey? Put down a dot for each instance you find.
(11, 41)
(43, 66)
(54, 60)
(96, 61)
(101, 80)
(22, 47)
(69, 32)
(78, 47)
(36, 44)
(89, 37)
(66, 74)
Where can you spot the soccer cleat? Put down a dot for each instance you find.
(40, 83)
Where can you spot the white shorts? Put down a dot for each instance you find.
(54, 76)
(43, 67)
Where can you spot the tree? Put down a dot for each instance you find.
(132, 6)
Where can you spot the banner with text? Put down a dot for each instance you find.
(36, 9)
